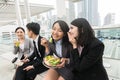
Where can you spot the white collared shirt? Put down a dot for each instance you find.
(21, 47)
(58, 45)
(36, 43)
(80, 48)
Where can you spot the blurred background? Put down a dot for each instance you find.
(103, 15)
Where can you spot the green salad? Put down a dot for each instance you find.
(52, 61)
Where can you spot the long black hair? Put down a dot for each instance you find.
(85, 31)
(65, 28)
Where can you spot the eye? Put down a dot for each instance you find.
(21, 32)
(71, 27)
(17, 32)
(53, 29)
(60, 30)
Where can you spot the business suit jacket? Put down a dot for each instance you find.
(28, 49)
(39, 58)
(65, 50)
(35, 60)
(65, 72)
(89, 65)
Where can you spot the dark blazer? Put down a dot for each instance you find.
(89, 65)
(65, 50)
(65, 72)
(39, 58)
(35, 60)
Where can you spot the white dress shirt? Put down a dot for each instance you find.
(36, 43)
(58, 48)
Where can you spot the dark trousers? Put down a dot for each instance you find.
(28, 75)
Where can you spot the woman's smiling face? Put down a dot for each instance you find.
(20, 33)
(57, 33)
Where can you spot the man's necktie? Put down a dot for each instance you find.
(35, 48)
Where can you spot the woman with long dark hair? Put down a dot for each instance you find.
(61, 47)
(87, 53)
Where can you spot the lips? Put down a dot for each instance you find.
(55, 36)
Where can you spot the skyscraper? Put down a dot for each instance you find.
(109, 19)
(89, 10)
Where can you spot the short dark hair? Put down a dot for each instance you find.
(34, 27)
(19, 28)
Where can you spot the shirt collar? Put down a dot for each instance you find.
(58, 42)
(36, 39)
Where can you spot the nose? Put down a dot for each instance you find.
(19, 33)
(69, 30)
(55, 31)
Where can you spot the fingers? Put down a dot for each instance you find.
(28, 68)
(60, 66)
(25, 60)
(62, 63)
(72, 39)
(70, 36)
(44, 42)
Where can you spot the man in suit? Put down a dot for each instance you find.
(33, 64)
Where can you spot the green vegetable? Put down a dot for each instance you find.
(52, 60)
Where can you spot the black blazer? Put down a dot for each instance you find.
(89, 65)
(65, 72)
(66, 49)
(39, 58)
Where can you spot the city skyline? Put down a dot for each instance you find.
(109, 6)
(101, 11)
(89, 10)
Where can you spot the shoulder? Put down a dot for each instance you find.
(40, 37)
(28, 40)
(96, 42)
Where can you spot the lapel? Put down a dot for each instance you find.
(64, 51)
(39, 46)
(39, 41)
(84, 51)
(26, 44)
(86, 48)
(52, 46)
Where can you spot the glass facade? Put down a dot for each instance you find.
(111, 38)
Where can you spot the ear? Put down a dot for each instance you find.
(30, 32)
